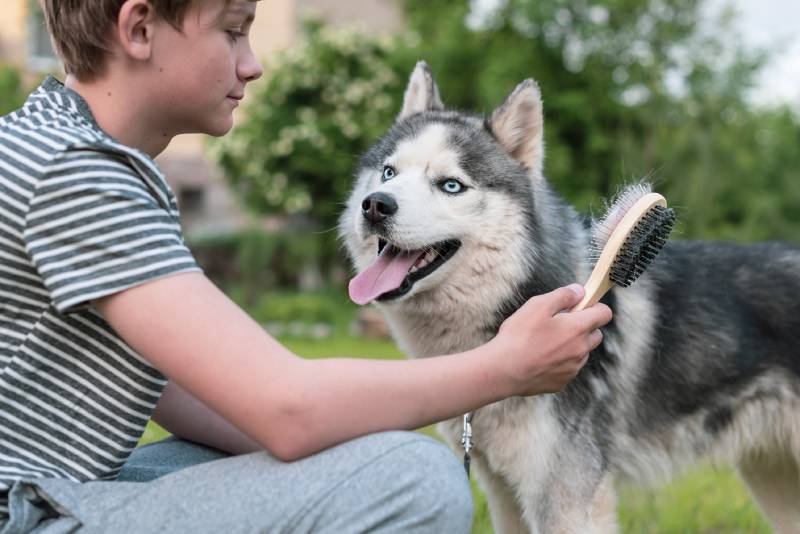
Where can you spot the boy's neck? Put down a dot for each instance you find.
(122, 112)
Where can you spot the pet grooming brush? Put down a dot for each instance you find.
(628, 239)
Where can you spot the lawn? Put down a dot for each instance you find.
(704, 501)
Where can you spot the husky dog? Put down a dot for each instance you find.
(452, 227)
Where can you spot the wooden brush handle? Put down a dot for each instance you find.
(595, 288)
(599, 282)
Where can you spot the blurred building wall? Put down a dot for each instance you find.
(12, 29)
(370, 15)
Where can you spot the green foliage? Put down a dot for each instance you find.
(343, 345)
(12, 92)
(276, 259)
(331, 308)
(255, 261)
(632, 90)
(321, 104)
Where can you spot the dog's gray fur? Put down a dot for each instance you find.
(701, 361)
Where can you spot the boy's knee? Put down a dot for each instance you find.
(436, 488)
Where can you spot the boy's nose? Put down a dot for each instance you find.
(249, 68)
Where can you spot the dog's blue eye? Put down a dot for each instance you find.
(451, 186)
(388, 173)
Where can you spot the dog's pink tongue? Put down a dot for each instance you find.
(384, 275)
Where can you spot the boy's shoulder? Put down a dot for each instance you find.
(52, 116)
(54, 128)
(52, 145)
(55, 121)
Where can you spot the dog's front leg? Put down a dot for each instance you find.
(500, 496)
(568, 506)
(503, 507)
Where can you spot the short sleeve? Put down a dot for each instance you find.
(93, 228)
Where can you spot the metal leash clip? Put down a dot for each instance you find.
(466, 439)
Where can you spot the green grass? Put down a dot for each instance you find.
(705, 501)
(152, 433)
(343, 346)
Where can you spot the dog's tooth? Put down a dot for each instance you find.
(424, 260)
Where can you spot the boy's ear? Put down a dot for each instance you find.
(519, 125)
(135, 28)
(422, 94)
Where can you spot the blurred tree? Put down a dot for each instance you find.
(632, 88)
(320, 106)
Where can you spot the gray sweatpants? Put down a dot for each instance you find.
(387, 482)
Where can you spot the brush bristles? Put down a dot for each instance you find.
(642, 245)
(614, 212)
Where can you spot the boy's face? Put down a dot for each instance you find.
(202, 70)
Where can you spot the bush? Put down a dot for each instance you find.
(298, 313)
(322, 104)
(256, 261)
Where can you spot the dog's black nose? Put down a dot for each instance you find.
(378, 206)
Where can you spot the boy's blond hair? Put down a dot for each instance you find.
(79, 29)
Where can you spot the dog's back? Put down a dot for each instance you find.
(723, 360)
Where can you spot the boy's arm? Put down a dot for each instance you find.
(294, 407)
(186, 417)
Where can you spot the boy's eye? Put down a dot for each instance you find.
(451, 186)
(234, 34)
(388, 173)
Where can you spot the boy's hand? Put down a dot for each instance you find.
(543, 345)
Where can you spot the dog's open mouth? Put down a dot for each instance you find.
(394, 272)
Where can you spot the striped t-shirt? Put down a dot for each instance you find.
(81, 216)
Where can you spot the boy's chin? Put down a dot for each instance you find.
(219, 128)
(218, 133)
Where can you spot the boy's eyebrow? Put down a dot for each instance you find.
(240, 9)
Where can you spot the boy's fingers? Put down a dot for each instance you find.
(602, 315)
(564, 298)
(595, 338)
(593, 317)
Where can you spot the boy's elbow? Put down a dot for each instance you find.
(288, 448)
(289, 435)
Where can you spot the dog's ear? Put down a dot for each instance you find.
(519, 125)
(422, 94)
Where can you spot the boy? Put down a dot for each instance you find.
(105, 320)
